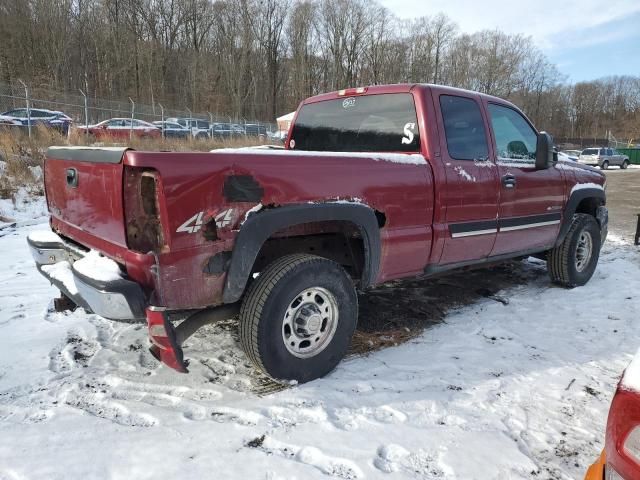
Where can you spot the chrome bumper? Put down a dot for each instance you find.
(120, 299)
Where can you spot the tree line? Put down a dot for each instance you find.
(260, 58)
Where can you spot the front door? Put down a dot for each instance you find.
(531, 200)
(471, 193)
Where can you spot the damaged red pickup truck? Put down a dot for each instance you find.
(375, 184)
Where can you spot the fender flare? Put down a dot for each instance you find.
(255, 231)
(572, 204)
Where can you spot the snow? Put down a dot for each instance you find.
(252, 210)
(23, 208)
(464, 174)
(44, 236)
(495, 391)
(631, 378)
(94, 265)
(61, 271)
(405, 158)
(582, 186)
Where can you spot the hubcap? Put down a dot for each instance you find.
(583, 250)
(310, 322)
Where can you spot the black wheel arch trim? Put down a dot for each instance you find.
(255, 231)
(572, 205)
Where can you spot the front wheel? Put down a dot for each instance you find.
(573, 262)
(624, 165)
(297, 318)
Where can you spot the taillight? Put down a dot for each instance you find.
(163, 339)
(141, 210)
(631, 445)
(611, 474)
(623, 436)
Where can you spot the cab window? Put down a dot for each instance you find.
(515, 138)
(463, 128)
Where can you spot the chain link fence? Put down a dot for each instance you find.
(96, 110)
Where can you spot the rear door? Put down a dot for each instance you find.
(471, 192)
(531, 200)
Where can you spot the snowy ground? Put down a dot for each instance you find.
(495, 391)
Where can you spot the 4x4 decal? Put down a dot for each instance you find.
(194, 224)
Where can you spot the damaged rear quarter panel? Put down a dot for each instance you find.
(195, 182)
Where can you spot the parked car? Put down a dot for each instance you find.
(121, 128)
(603, 158)
(199, 128)
(172, 129)
(283, 237)
(570, 155)
(9, 121)
(225, 130)
(573, 153)
(255, 130)
(563, 157)
(40, 116)
(620, 459)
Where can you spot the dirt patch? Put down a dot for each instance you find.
(397, 311)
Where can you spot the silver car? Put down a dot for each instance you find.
(603, 158)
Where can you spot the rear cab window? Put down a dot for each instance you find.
(464, 128)
(370, 123)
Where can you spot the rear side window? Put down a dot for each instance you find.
(463, 128)
(371, 123)
(515, 138)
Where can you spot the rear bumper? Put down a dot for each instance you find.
(116, 299)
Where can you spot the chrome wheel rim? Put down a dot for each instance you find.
(310, 322)
(583, 250)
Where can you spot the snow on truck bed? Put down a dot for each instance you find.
(514, 389)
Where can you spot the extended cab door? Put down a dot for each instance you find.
(531, 200)
(471, 191)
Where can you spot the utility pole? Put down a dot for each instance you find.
(162, 116)
(26, 97)
(86, 114)
(133, 109)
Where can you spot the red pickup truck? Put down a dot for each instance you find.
(374, 184)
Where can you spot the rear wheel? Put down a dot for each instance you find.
(573, 262)
(605, 165)
(297, 318)
(624, 165)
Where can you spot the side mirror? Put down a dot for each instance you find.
(545, 154)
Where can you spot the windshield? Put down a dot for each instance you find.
(590, 151)
(373, 123)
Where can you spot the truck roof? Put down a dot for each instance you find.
(404, 88)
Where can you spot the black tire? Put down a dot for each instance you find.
(562, 262)
(270, 297)
(624, 165)
(605, 165)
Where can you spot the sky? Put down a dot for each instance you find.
(586, 39)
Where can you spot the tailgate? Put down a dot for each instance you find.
(84, 190)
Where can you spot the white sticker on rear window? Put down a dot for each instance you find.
(407, 139)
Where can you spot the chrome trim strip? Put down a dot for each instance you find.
(474, 232)
(529, 225)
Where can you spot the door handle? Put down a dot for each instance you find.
(509, 181)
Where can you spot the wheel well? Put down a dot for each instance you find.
(339, 241)
(589, 206)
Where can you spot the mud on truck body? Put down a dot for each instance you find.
(374, 184)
